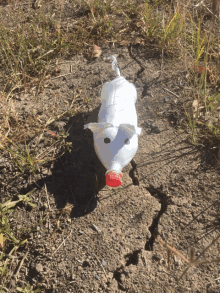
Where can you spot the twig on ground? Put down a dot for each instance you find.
(47, 197)
(171, 92)
(174, 251)
(204, 251)
(100, 265)
(47, 151)
(62, 243)
(50, 51)
(95, 228)
(202, 4)
(51, 120)
(63, 75)
(20, 265)
(201, 213)
(95, 258)
(202, 262)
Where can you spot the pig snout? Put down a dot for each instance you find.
(115, 147)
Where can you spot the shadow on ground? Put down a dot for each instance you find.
(77, 176)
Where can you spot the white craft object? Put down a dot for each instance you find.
(116, 133)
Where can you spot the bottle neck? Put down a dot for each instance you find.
(115, 171)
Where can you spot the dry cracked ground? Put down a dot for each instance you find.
(99, 239)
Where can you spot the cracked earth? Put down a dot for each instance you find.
(106, 240)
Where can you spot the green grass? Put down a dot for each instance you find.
(7, 239)
(27, 289)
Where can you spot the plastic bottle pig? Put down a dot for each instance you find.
(116, 133)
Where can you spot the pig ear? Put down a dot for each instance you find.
(96, 127)
(131, 129)
(92, 126)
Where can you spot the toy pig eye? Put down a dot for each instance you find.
(127, 141)
(107, 140)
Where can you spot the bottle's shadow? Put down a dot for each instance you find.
(77, 176)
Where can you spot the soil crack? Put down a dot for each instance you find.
(134, 173)
(135, 59)
(163, 200)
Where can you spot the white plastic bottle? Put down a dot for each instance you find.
(116, 133)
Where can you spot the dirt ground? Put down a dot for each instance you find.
(99, 239)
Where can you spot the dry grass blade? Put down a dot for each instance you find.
(174, 250)
(20, 265)
(62, 243)
(202, 212)
(100, 265)
(208, 261)
(195, 263)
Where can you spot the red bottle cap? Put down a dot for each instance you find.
(113, 179)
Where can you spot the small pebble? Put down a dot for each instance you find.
(176, 261)
(38, 268)
(45, 171)
(83, 276)
(45, 205)
(44, 285)
(14, 190)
